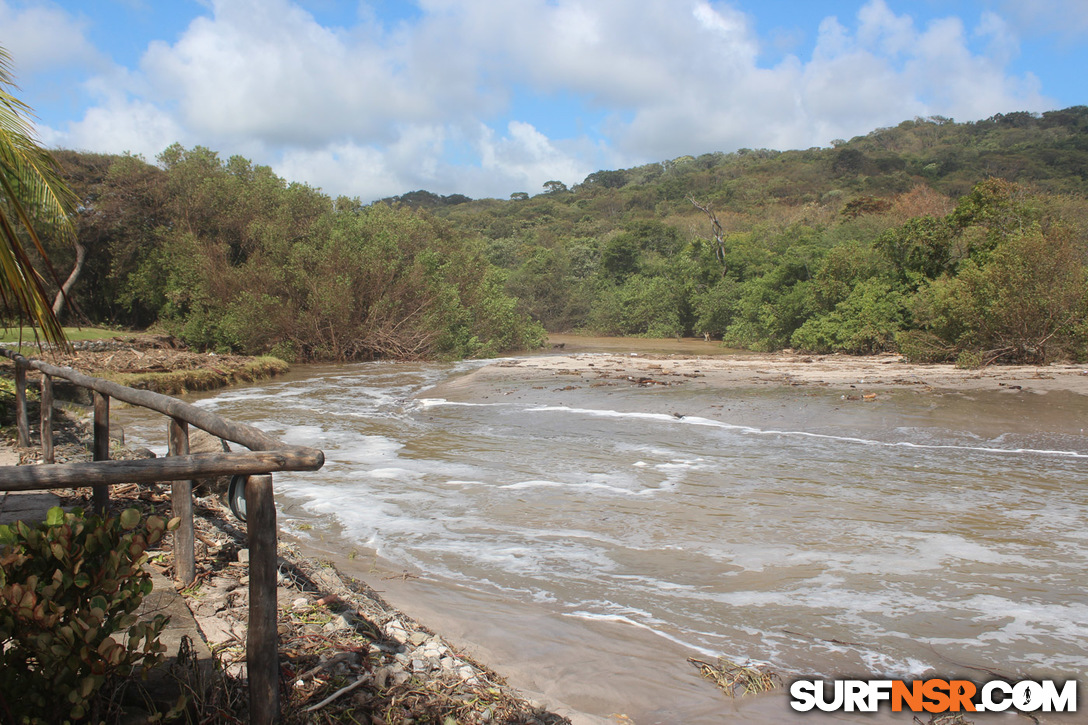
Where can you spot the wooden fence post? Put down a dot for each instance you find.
(101, 495)
(47, 419)
(262, 640)
(181, 504)
(21, 420)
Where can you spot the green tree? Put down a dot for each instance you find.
(865, 322)
(1023, 304)
(33, 199)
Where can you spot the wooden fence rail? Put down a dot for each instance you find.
(265, 456)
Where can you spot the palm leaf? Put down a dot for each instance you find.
(32, 198)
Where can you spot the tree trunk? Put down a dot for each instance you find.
(62, 295)
(719, 233)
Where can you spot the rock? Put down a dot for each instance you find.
(381, 677)
(434, 650)
(418, 638)
(217, 630)
(395, 631)
(300, 604)
(337, 622)
(243, 556)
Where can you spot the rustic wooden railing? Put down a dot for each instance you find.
(265, 456)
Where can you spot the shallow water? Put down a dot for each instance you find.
(923, 533)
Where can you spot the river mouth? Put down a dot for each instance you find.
(587, 540)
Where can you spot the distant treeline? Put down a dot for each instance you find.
(943, 240)
(913, 238)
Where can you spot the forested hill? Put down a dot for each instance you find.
(942, 240)
(1049, 150)
(907, 238)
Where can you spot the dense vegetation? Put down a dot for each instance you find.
(911, 238)
(230, 257)
(943, 240)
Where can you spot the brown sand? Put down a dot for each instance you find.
(845, 372)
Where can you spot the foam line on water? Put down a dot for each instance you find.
(621, 619)
(587, 486)
(436, 402)
(696, 420)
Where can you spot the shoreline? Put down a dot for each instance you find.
(398, 664)
(853, 375)
(159, 363)
(401, 668)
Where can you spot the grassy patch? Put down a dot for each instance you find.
(74, 334)
(179, 382)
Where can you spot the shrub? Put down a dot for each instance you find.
(920, 346)
(970, 360)
(67, 586)
(1023, 304)
(865, 322)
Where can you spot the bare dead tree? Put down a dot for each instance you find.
(716, 227)
(66, 288)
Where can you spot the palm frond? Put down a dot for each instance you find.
(33, 198)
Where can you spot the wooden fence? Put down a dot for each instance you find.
(265, 456)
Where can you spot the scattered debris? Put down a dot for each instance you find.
(734, 679)
(949, 719)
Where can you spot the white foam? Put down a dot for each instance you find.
(620, 619)
(437, 402)
(799, 533)
(696, 420)
(392, 474)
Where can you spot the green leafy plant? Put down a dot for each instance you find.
(69, 588)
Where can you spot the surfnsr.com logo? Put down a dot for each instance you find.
(934, 695)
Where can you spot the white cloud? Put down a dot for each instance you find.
(44, 37)
(371, 110)
(341, 168)
(1003, 44)
(268, 70)
(526, 158)
(880, 28)
(120, 126)
(883, 71)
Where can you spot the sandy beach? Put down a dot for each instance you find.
(852, 375)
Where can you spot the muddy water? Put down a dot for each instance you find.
(587, 541)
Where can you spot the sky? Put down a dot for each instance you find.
(490, 97)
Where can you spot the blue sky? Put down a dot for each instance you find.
(487, 98)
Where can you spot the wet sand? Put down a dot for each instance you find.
(710, 365)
